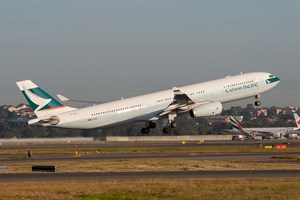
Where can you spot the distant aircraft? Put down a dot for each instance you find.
(202, 99)
(265, 132)
(297, 118)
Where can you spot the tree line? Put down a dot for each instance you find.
(10, 127)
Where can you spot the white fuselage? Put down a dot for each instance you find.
(148, 107)
(271, 129)
(274, 132)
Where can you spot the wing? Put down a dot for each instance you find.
(181, 103)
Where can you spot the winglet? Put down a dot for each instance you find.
(180, 96)
(177, 91)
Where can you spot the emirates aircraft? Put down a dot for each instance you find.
(265, 132)
(201, 99)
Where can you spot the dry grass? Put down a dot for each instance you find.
(206, 189)
(287, 157)
(170, 164)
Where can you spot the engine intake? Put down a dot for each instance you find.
(208, 109)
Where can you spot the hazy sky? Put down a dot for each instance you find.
(105, 50)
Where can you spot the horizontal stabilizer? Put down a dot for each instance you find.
(62, 98)
(65, 99)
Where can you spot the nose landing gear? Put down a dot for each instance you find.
(257, 102)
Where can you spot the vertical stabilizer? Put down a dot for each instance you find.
(238, 127)
(40, 101)
(297, 119)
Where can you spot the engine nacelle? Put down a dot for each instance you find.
(208, 109)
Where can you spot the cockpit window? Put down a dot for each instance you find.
(271, 76)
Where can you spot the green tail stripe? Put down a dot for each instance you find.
(32, 105)
(232, 121)
(41, 93)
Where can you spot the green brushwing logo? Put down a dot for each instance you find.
(39, 99)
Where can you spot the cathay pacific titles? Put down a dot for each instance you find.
(228, 90)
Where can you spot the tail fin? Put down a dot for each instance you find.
(297, 119)
(40, 101)
(237, 126)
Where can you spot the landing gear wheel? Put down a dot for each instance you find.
(145, 130)
(173, 125)
(257, 103)
(151, 125)
(167, 130)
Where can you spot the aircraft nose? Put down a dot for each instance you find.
(276, 79)
(273, 80)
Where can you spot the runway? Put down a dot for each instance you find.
(74, 176)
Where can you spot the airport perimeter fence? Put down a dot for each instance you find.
(171, 138)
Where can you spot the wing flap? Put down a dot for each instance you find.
(181, 103)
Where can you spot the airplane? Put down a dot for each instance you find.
(201, 99)
(265, 132)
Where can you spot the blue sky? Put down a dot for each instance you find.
(105, 50)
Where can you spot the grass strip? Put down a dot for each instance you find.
(162, 164)
(205, 189)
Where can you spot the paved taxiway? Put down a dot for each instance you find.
(19, 158)
(72, 176)
(103, 144)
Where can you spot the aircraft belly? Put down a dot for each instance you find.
(114, 119)
(78, 124)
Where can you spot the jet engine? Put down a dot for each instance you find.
(208, 109)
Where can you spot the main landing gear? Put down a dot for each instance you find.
(167, 128)
(172, 124)
(149, 125)
(257, 103)
(152, 125)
